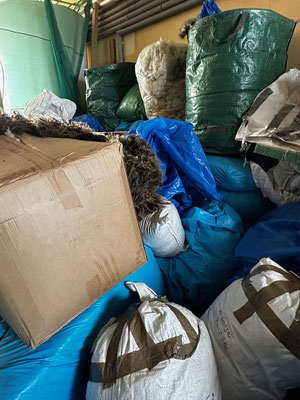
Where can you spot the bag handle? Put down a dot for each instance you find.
(243, 18)
(144, 292)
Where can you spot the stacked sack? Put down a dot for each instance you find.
(234, 180)
(156, 350)
(276, 235)
(231, 57)
(255, 330)
(195, 277)
(160, 72)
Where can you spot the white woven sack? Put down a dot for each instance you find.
(156, 351)
(160, 72)
(254, 326)
(273, 118)
(163, 232)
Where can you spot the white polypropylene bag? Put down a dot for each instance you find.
(163, 232)
(156, 351)
(160, 72)
(273, 119)
(281, 184)
(254, 326)
(50, 105)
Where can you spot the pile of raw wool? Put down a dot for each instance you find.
(160, 71)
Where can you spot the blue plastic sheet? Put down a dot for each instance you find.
(90, 121)
(209, 7)
(59, 368)
(188, 180)
(197, 276)
(276, 235)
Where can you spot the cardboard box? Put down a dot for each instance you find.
(68, 231)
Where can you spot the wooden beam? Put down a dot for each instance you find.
(94, 33)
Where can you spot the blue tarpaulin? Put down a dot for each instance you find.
(59, 368)
(188, 180)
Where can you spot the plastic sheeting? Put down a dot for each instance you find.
(277, 235)
(231, 57)
(67, 77)
(187, 177)
(132, 107)
(197, 276)
(59, 368)
(105, 88)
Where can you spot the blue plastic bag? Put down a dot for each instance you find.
(197, 276)
(231, 174)
(128, 126)
(90, 121)
(250, 205)
(209, 7)
(188, 180)
(235, 182)
(276, 235)
(59, 368)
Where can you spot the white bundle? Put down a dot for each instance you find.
(50, 105)
(160, 71)
(163, 232)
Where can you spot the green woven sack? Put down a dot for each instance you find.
(231, 57)
(105, 88)
(132, 107)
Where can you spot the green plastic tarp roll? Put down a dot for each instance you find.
(105, 88)
(231, 57)
(132, 107)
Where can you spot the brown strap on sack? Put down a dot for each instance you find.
(258, 301)
(279, 117)
(261, 98)
(149, 354)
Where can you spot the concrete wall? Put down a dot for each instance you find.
(168, 29)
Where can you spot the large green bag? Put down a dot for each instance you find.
(132, 107)
(231, 57)
(105, 88)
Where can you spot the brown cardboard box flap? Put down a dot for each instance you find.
(68, 231)
(34, 155)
